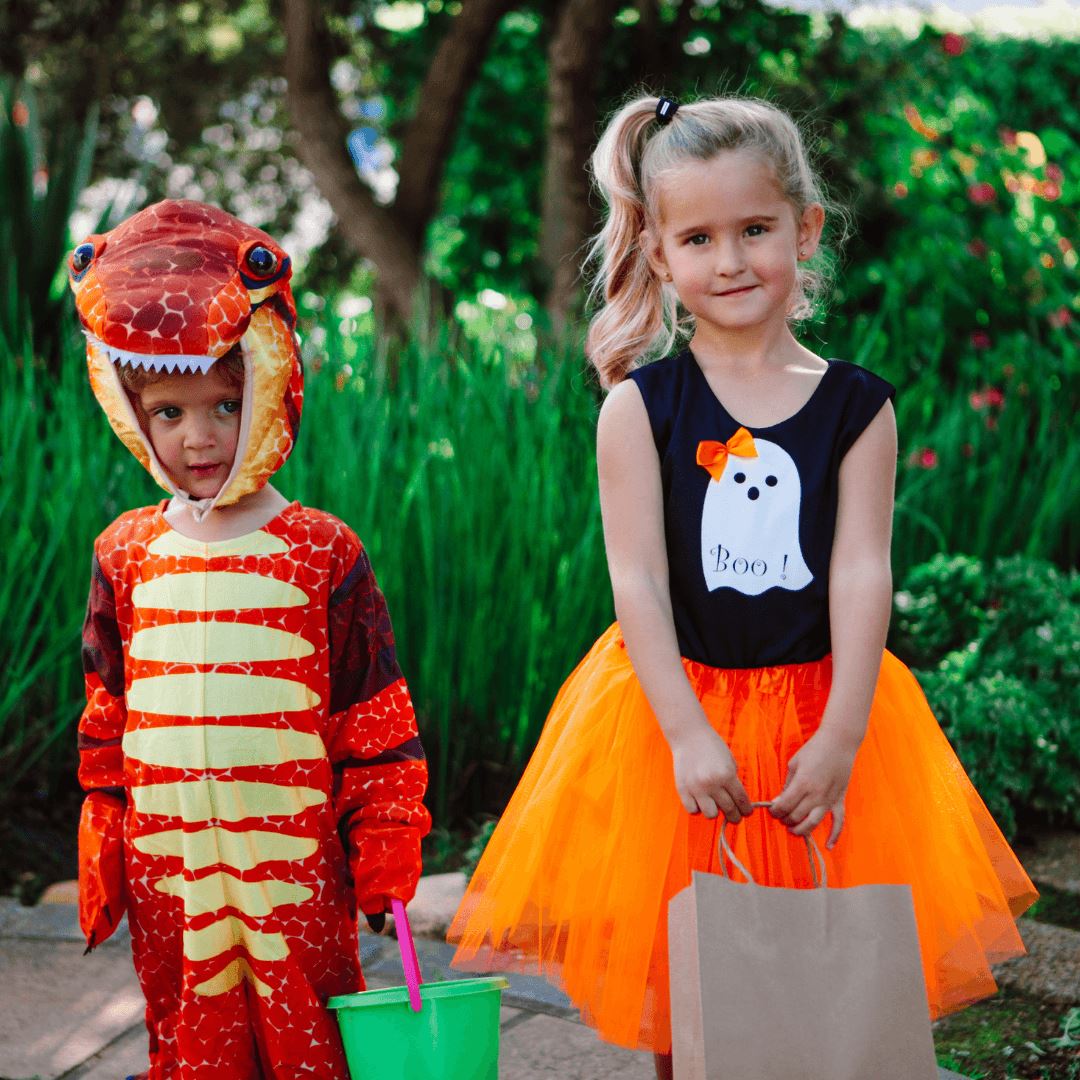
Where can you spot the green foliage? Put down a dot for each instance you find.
(475, 851)
(996, 647)
(41, 178)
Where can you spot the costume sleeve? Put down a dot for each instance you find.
(380, 773)
(102, 895)
(869, 392)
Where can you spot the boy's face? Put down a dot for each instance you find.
(193, 423)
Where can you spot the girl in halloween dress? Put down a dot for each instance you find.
(746, 487)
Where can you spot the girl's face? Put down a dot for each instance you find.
(729, 240)
(193, 423)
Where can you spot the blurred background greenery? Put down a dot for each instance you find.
(450, 413)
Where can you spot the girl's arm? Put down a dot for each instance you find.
(860, 600)
(631, 502)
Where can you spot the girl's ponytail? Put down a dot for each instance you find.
(638, 315)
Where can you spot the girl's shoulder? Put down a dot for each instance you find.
(664, 386)
(857, 396)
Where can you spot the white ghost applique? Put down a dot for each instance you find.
(750, 518)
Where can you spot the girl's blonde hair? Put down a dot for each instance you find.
(639, 317)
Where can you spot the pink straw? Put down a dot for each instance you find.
(408, 954)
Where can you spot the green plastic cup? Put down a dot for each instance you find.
(454, 1036)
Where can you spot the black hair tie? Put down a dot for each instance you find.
(665, 109)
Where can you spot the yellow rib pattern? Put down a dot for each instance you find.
(258, 543)
(220, 890)
(212, 693)
(221, 747)
(217, 643)
(229, 932)
(225, 800)
(231, 976)
(216, 590)
(240, 850)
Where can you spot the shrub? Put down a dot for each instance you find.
(996, 648)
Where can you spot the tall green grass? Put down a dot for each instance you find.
(471, 480)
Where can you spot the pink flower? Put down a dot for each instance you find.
(981, 194)
(1008, 136)
(978, 248)
(995, 398)
(953, 44)
(977, 400)
(924, 458)
(1049, 190)
(1053, 172)
(20, 114)
(980, 339)
(1059, 318)
(900, 190)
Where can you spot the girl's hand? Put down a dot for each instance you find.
(817, 781)
(706, 777)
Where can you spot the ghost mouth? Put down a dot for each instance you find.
(164, 362)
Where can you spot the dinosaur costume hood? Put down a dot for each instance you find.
(174, 288)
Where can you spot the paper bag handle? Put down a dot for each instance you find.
(408, 953)
(813, 853)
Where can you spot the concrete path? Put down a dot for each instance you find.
(64, 1016)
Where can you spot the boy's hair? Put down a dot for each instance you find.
(136, 379)
(639, 318)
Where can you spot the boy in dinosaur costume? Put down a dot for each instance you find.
(249, 749)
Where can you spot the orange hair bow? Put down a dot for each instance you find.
(713, 455)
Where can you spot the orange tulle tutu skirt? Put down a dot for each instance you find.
(575, 882)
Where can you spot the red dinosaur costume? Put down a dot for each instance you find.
(249, 743)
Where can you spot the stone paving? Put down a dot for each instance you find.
(65, 1016)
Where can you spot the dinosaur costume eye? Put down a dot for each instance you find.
(81, 257)
(261, 261)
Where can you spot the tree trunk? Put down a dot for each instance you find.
(390, 237)
(566, 215)
(430, 135)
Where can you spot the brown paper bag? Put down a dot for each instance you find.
(796, 984)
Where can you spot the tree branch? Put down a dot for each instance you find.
(431, 131)
(375, 232)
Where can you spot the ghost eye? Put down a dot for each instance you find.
(81, 257)
(771, 481)
(261, 261)
(740, 478)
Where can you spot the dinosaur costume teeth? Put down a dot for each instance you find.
(148, 362)
(249, 748)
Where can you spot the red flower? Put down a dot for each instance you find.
(1059, 318)
(1008, 136)
(1053, 172)
(953, 44)
(980, 339)
(20, 114)
(1049, 190)
(924, 458)
(967, 450)
(995, 398)
(978, 248)
(981, 194)
(900, 190)
(991, 422)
